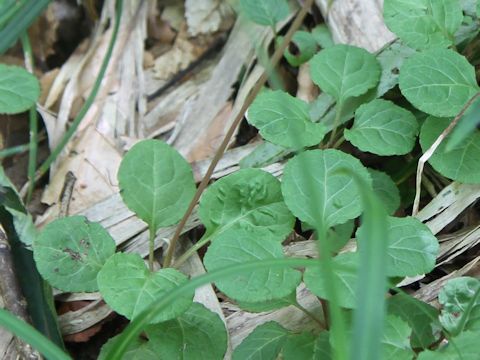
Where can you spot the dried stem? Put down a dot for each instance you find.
(428, 154)
(239, 116)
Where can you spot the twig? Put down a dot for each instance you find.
(239, 116)
(428, 154)
(12, 295)
(66, 194)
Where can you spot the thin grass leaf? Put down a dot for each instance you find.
(369, 316)
(31, 336)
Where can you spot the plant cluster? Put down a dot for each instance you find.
(248, 214)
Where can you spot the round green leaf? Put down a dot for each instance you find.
(129, 287)
(345, 268)
(265, 12)
(459, 298)
(249, 199)
(307, 346)
(306, 47)
(156, 183)
(197, 334)
(463, 346)
(19, 89)
(396, 339)
(138, 349)
(240, 246)
(423, 24)
(316, 193)
(263, 343)
(69, 253)
(344, 71)
(412, 248)
(383, 128)
(461, 163)
(284, 120)
(438, 81)
(386, 190)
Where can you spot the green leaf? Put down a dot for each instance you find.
(345, 267)
(197, 334)
(386, 190)
(461, 162)
(460, 302)
(307, 346)
(19, 89)
(383, 128)
(396, 339)
(322, 35)
(284, 120)
(249, 199)
(156, 183)
(339, 235)
(316, 194)
(438, 81)
(464, 347)
(344, 71)
(465, 127)
(263, 343)
(241, 246)
(128, 287)
(138, 349)
(268, 305)
(69, 253)
(265, 12)
(305, 47)
(412, 248)
(423, 24)
(12, 202)
(420, 316)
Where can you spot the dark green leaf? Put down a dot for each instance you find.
(129, 287)
(464, 347)
(69, 253)
(156, 183)
(284, 120)
(307, 346)
(305, 47)
(386, 190)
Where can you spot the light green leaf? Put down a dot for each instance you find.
(156, 183)
(138, 349)
(386, 190)
(316, 194)
(339, 235)
(268, 305)
(128, 287)
(263, 343)
(239, 246)
(69, 253)
(19, 89)
(305, 47)
(461, 163)
(249, 199)
(464, 347)
(412, 248)
(460, 302)
(420, 316)
(465, 127)
(265, 12)
(344, 71)
(284, 120)
(396, 339)
(12, 202)
(438, 81)
(345, 268)
(197, 334)
(323, 36)
(307, 346)
(423, 24)
(383, 128)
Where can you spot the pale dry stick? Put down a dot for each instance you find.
(223, 146)
(428, 154)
